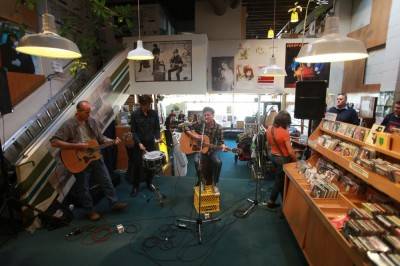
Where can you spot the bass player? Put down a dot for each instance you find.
(74, 134)
(210, 161)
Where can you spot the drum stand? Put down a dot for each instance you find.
(199, 221)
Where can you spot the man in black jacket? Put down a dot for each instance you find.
(145, 127)
(344, 113)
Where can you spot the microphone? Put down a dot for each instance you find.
(74, 232)
(159, 196)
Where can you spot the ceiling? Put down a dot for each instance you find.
(260, 14)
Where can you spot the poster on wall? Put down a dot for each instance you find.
(294, 70)
(172, 62)
(222, 73)
(10, 59)
(251, 56)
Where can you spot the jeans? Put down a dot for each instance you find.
(277, 188)
(98, 170)
(208, 161)
(136, 159)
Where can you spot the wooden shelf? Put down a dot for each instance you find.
(373, 179)
(393, 154)
(322, 210)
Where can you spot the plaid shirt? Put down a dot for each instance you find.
(214, 132)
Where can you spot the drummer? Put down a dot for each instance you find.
(145, 127)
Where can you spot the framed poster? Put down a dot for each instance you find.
(172, 62)
(301, 71)
(222, 73)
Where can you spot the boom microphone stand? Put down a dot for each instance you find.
(199, 221)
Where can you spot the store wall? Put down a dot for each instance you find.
(198, 84)
(225, 27)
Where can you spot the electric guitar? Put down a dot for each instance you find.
(77, 160)
(190, 145)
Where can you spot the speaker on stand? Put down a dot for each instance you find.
(310, 101)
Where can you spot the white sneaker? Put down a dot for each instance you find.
(216, 189)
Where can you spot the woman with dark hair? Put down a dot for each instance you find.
(281, 152)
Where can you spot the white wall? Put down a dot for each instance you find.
(391, 65)
(198, 84)
(382, 64)
(225, 27)
(259, 54)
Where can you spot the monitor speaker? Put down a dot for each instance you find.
(5, 99)
(310, 101)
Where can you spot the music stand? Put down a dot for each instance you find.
(199, 221)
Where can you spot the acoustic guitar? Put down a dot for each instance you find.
(77, 160)
(190, 145)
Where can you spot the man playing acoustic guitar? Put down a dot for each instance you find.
(210, 161)
(75, 135)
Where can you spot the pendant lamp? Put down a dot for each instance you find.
(273, 70)
(48, 43)
(140, 53)
(332, 47)
(270, 33)
(294, 17)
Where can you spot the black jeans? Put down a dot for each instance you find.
(277, 188)
(210, 168)
(138, 172)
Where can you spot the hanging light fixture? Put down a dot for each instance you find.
(294, 14)
(140, 53)
(270, 33)
(331, 47)
(294, 17)
(273, 70)
(48, 43)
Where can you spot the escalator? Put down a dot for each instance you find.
(41, 178)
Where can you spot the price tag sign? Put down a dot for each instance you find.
(358, 169)
(330, 116)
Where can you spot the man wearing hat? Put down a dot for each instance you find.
(176, 64)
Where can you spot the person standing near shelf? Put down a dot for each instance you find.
(392, 120)
(278, 139)
(344, 113)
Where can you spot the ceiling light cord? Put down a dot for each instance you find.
(273, 39)
(138, 11)
(304, 34)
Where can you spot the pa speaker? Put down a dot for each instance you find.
(5, 99)
(310, 101)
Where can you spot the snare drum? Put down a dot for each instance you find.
(153, 161)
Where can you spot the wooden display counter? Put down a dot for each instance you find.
(309, 218)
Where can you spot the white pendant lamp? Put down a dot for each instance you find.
(48, 43)
(273, 70)
(332, 47)
(140, 53)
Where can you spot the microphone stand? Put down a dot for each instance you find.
(199, 221)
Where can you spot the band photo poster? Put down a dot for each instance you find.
(294, 70)
(172, 62)
(222, 73)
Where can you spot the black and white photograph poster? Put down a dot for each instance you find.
(172, 62)
(222, 73)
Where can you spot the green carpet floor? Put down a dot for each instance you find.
(263, 238)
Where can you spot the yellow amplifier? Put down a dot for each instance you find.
(209, 200)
